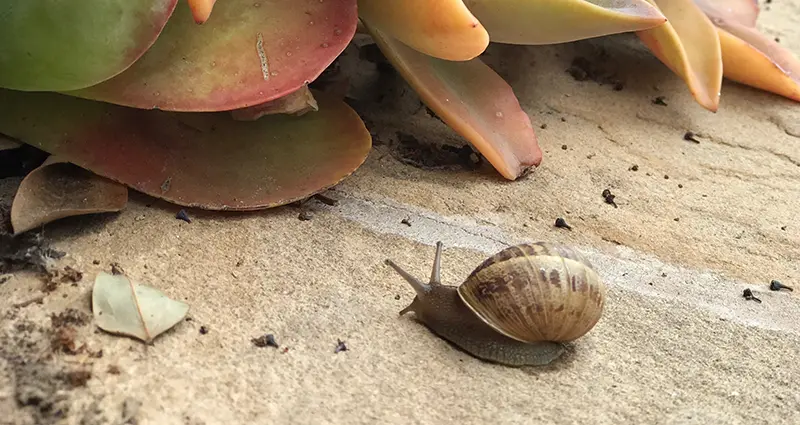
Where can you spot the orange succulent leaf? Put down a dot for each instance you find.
(445, 29)
(250, 53)
(749, 57)
(473, 100)
(205, 160)
(689, 45)
(559, 21)
(752, 59)
(201, 9)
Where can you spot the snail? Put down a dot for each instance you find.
(516, 308)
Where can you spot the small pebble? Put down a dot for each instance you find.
(182, 215)
(560, 222)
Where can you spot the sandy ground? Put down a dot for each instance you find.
(678, 344)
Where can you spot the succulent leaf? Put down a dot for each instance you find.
(559, 21)
(445, 29)
(205, 160)
(755, 60)
(250, 53)
(744, 12)
(749, 57)
(473, 100)
(201, 9)
(689, 45)
(67, 45)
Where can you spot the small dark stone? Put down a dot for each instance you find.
(397, 297)
(203, 330)
(609, 197)
(666, 177)
(680, 186)
(748, 295)
(340, 346)
(182, 215)
(783, 227)
(776, 285)
(96, 262)
(305, 215)
(564, 147)
(267, 340)
(543, 126)
(690, 137)
(560, 222)
(116, 268)
(676, 219)
(406, 221)
(659, 100)
(563, 119)
(633, 167)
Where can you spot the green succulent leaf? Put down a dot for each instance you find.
(473, 100)
(560, 21)
(59, 45)
(205, 160)
(247, 54)
(689, 45)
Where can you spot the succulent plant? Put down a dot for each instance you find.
(209, 105)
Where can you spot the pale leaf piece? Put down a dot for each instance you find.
(295, 103)
(124, 307)
(201, 9)
(58, 189)
(748, 56)
(558, 21)
(473, 100)
(689, 45)
(445, 29)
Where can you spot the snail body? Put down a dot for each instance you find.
(517, 307)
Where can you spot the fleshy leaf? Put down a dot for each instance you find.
(58, 189)
(67, 45)
(201, 9)
(295, 103)
(124, 307)
(749, 57)
(689, 45)
(205, 160)
(559, 21)
(250, 53)
(445, 29)
(759, 62)
(473, 100)
(744, 12)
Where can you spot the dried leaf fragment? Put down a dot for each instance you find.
(58, 189)
(122, 306)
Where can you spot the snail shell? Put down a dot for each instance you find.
(536, 292)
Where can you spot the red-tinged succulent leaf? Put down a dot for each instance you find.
(752, 59)
(201, 9)
(749, 57)
(58, 189)
(54, 45)
(250, 53)
(205, 160)
(473, 100)
(559, 21)
(744, 12)
(689, 45)
(295, 103)
(445, 29)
